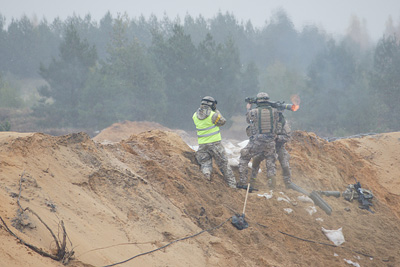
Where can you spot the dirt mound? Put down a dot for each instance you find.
(141, 193)
(120, 131)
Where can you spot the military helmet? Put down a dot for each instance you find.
(262, 97)
(208, 100)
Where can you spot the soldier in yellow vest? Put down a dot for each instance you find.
(207, 120)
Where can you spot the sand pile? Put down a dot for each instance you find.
(140, 192)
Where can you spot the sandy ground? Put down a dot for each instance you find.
(133, 196)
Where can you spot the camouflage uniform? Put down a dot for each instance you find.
(283, 136)
(216, 150)
(260, 143)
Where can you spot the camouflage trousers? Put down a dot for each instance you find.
(283, 157)
(258, 145)
(216, 151)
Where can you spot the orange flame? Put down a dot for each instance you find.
(296, 102)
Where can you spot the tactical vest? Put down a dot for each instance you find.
(207, 131)
(266, 123)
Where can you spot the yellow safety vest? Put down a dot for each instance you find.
(207, 131)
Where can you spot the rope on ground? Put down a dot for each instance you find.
(218, 226)
(116, 245)
(172, 242)
(326, 244)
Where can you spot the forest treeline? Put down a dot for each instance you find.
(158, 69)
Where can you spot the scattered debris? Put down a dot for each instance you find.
(288, 210)
(305, 199)
(311, 210)
(267, 195)
(336, 236)
(364, 196)
(283, 199)
(287, 199)
(352, 263)
(314, 196)
(51, 206)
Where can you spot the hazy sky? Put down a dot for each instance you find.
(332, 15)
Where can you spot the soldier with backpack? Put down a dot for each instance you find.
(263, 122)
(282, 137)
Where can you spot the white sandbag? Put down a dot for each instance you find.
(336, 236)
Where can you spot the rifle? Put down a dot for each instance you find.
(251, 189)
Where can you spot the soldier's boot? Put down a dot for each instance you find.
(253, 180)
(241, 185)
(242, 181)
(272, 182)
(229, 177)
(232, 185)
(254, 173)
(231, 182)
(287, 181)
(253, 184)
(207, 175)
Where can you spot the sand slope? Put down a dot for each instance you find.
(139, 193)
